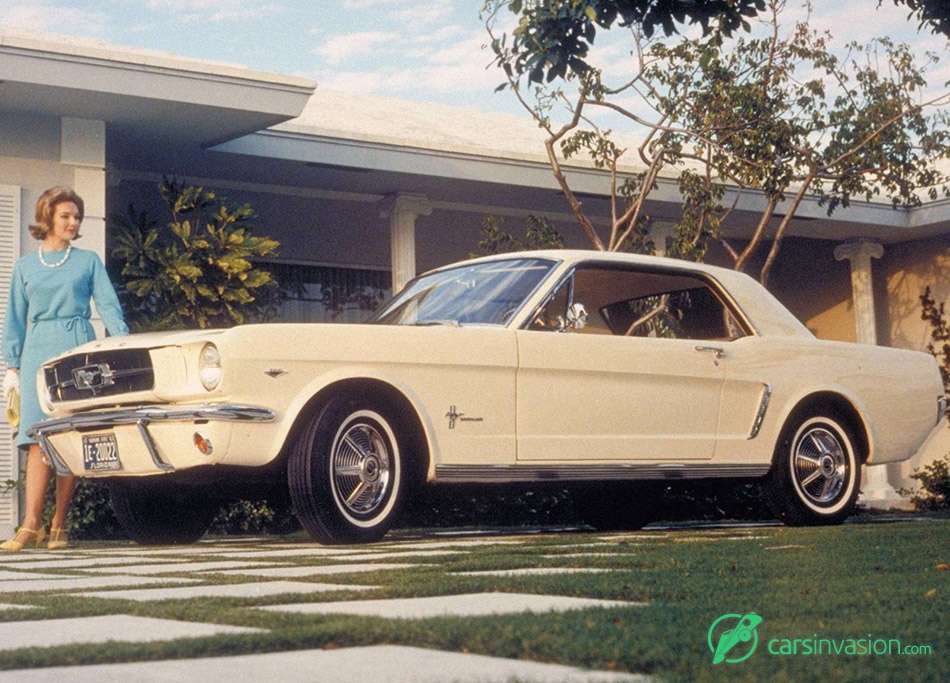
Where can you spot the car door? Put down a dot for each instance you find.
(641, 380)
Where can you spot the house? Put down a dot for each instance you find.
(367, 191)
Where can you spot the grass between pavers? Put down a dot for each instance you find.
(838, 583)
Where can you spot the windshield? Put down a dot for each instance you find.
(480, 294)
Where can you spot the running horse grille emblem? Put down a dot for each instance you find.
(93, 377)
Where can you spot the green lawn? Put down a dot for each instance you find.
(878, 580)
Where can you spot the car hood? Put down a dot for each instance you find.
(146, 340)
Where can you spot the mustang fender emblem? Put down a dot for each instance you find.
(275, 372)
(455, 416)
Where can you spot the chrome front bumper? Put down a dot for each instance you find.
(140, 417)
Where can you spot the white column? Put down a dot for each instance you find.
(876, 490)
(662, 233)
(402, 209)
(83, 147)
(862, 286)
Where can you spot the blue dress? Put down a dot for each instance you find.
(48, 313)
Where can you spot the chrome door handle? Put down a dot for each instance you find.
(717, 351)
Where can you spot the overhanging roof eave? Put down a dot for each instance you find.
(42, 76)
(309, 148)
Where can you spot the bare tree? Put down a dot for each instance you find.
(773, 113)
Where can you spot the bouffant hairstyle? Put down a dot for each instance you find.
(46, 207)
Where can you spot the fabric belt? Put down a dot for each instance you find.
(77, 325)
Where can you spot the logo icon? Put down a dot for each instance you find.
(93, 377)
(453, 415)
(730, 633)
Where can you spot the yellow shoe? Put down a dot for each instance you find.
(33, 536)
(58, 539)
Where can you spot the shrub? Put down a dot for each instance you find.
(255, 517)
(934, 491)
(196, 270)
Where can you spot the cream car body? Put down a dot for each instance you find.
(535, 390)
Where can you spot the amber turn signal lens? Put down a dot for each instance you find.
(202, 443)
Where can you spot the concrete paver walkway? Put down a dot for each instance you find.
(305, 578)
(377, 664)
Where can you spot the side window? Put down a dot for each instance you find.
(694, 313)
(553, 314)
(641, 303)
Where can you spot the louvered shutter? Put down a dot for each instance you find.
(9, 252)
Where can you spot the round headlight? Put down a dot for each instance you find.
(209, 367)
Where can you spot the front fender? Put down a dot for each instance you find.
(335, 379)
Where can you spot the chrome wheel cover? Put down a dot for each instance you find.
(820, 466)
(361, 468)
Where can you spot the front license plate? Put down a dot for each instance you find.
(100, 452)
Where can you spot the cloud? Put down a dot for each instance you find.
(351, 81)
(439, 35)
(422, 13)
(461, 52)
(244, 14)
(364, 4)
(445, 79)
(191, 5)
(217, 11)
(339, 49)
(430, 64)
(41, 15)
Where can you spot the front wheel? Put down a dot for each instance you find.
(346, 472)
(816, 473)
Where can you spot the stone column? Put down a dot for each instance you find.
(402, 209)
(876, 490)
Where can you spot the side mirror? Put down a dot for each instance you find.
(576, 319)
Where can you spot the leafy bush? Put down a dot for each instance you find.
(255, 517)
(934, 478)
(939, 345)
(195, 271)
(934, 491)
(90, 515)
(539, 234)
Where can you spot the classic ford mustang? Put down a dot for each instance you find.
(598, 372)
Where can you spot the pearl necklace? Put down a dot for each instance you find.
(69, 248)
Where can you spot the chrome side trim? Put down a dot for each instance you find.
(141, 417)
(488, 474)
(763, 407)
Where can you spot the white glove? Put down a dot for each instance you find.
(11, 381)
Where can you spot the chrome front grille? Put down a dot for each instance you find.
(104, 373)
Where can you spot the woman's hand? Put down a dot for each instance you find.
(11, 381)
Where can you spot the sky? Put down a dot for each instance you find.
(421, 50)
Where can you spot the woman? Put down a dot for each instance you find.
(48, 313)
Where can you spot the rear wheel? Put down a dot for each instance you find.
(158, 513)
(816, 474)
(346, 471)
